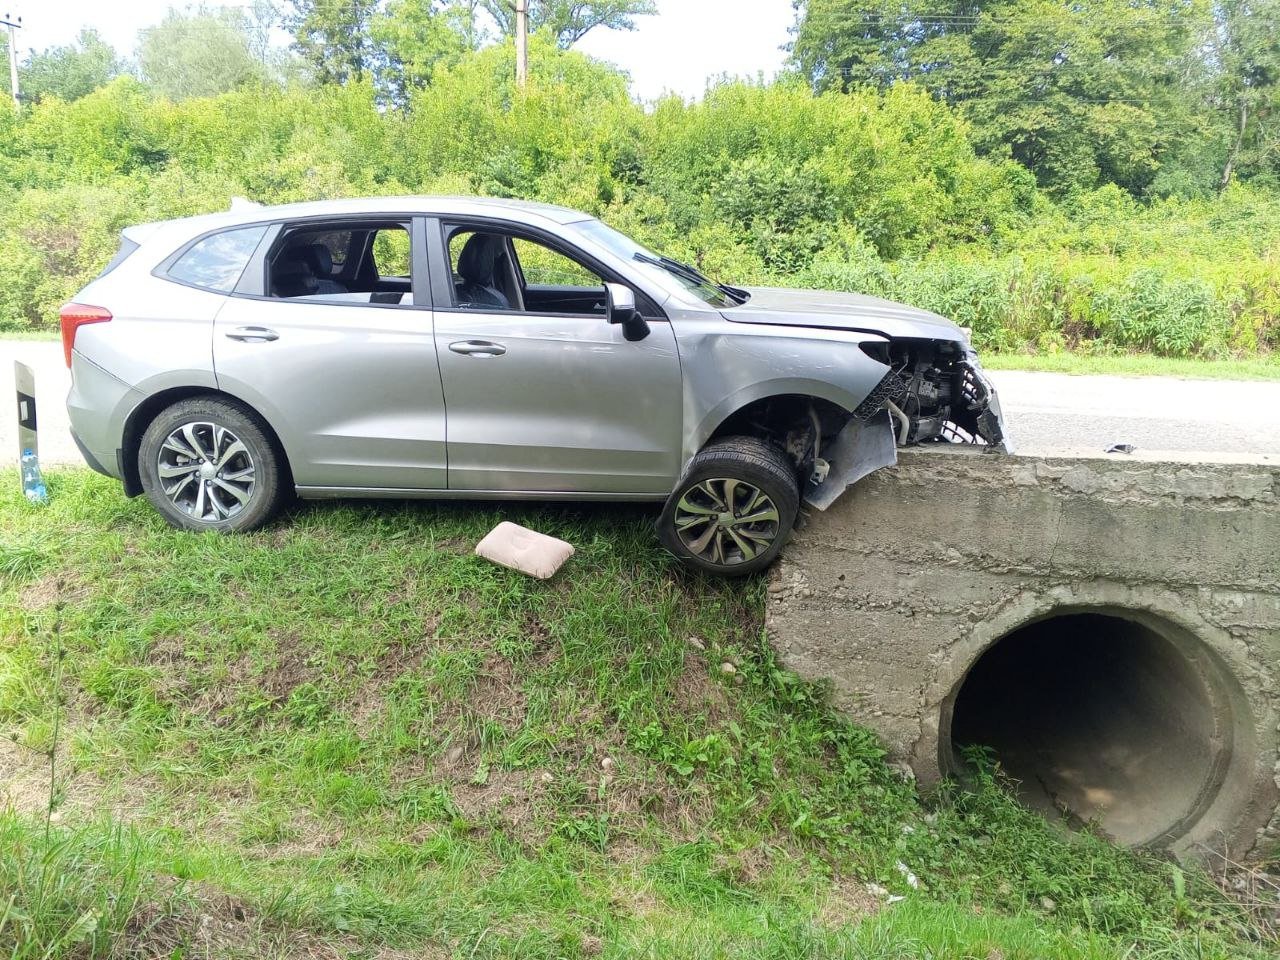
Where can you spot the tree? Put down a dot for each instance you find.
(1077, 90)
(414, 38)
(72, 71)
(1245, 44)
(334, 38)
(570, 20)
(199, 53)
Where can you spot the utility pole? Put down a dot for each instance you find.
(13, 25)
(522, 43)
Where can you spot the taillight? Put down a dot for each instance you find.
(74, 316)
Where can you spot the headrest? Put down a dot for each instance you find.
(476, 262)
(291, 263)
(320, 259)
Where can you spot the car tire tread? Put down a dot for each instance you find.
(269, 493)
(756, 461)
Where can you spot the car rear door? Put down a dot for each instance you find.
(551, 397)
(349, 379)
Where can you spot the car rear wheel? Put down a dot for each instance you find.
(733, 510)
(207, 464)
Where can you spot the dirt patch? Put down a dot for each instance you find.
(201, 922)
(508, 796)
(848, 902)
(693, 691)
(183, 680)
(397, 660)
(24, 787)
(498, 693)
(47, 591)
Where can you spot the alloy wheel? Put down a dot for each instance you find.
(726, 521)
(206, 471)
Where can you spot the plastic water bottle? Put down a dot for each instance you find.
(32, 483)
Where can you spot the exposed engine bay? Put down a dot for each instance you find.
(934, 392)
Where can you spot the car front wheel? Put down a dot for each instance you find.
(207, 464)
(733, 510)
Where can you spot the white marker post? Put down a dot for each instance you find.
(28, 443)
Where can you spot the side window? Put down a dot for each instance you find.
(391, 253)
(501, 271)
(359, 264)
(544, 267)
(217, 261)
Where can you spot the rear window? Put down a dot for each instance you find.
(217, 261)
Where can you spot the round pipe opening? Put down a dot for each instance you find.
(1099, 718)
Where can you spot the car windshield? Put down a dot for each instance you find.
(688, 277)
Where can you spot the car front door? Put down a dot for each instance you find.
(339, 355)
(543, 394)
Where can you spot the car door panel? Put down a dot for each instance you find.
(353, 390)
(559, 404)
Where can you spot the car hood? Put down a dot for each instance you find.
(832, 310)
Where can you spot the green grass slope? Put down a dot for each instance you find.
(347, 736)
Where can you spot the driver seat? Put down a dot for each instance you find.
(478, 265)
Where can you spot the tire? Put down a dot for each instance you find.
(238, 491)
(760, 481)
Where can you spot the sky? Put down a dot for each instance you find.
(686, 44)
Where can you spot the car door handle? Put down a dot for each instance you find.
(253, 335)
(478, 348)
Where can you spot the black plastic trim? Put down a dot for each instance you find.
(89, 458)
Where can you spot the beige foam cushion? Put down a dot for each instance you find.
(528, 551)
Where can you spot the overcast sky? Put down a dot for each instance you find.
(680, 49)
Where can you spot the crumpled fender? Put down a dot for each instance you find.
(861, 448)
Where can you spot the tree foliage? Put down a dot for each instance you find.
(881, 188)
(199, 53)
(1081, 92)
(72, 71)
(568, 21)
(415, 38)
(333, 37)
(1245, 46)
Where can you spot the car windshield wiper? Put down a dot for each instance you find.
(733, 293)
(689, 272)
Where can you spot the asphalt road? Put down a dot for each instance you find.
(1048, 413)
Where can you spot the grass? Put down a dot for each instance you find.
(50, 335)
(1264, 367)
(347, 736)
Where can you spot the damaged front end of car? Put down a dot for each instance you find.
(934, 391)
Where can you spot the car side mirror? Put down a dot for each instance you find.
(620, 307)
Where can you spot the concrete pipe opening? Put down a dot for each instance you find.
(1101, 718)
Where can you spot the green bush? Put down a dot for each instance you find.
(878, 193)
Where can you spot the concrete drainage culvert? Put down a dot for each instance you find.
(1102, 716)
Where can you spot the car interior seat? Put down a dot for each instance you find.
(482, 265)
(291, 275)
(320, 260)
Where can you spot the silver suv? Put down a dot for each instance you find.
(479, 348)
